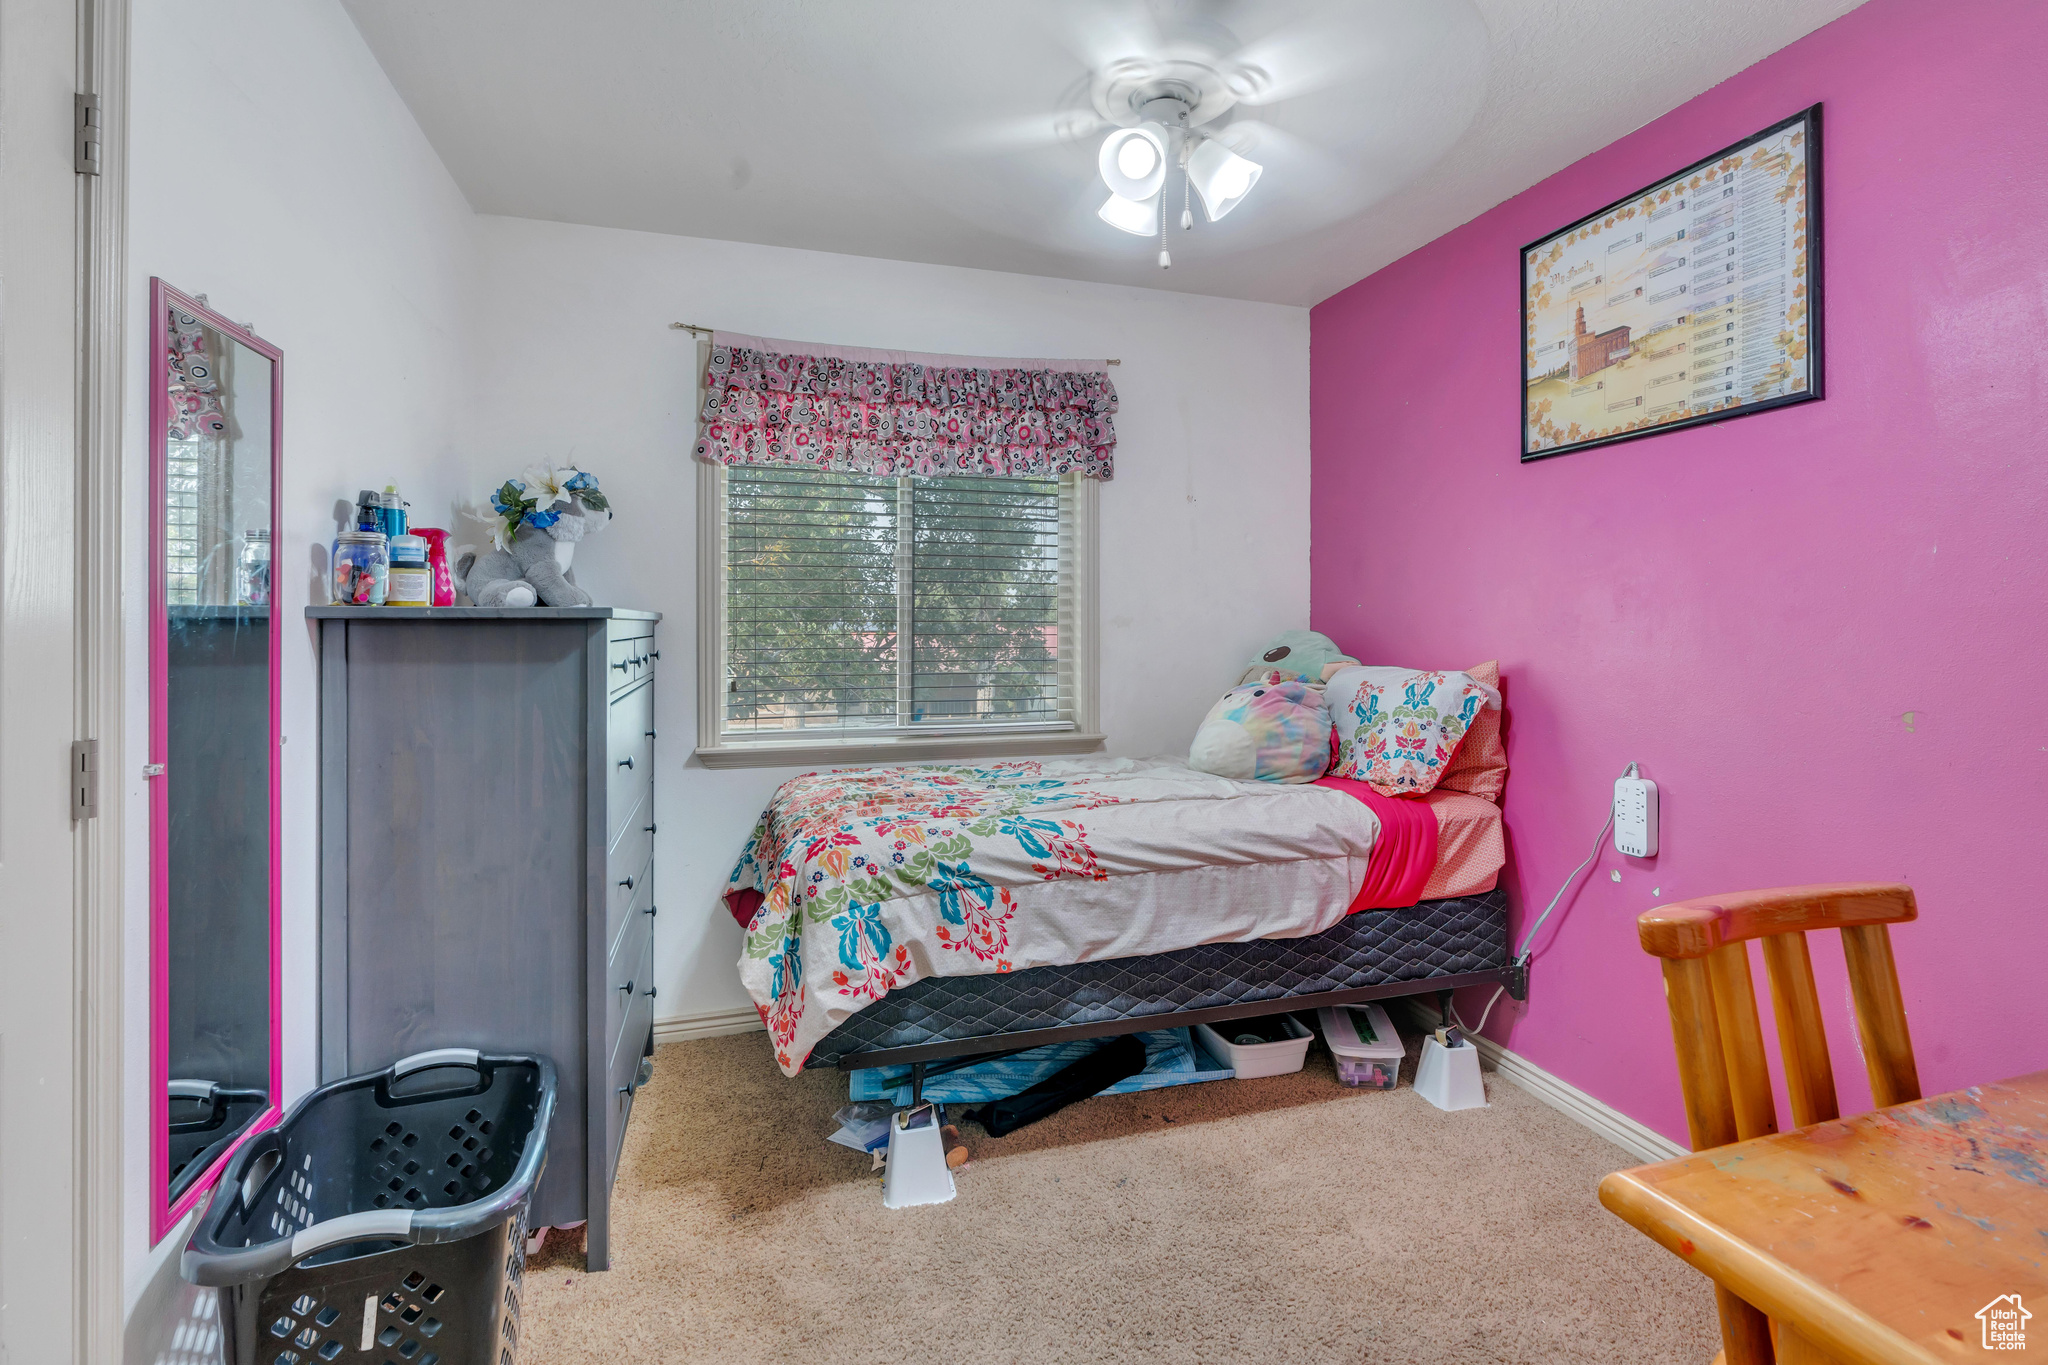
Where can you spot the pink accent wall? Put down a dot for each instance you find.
(1822, 630)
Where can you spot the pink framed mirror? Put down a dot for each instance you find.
(216, 422)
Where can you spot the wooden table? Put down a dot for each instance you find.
(1872, 1239)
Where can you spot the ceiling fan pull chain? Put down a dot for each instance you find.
(1165, 261)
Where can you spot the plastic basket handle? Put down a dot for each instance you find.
(242, 1266)
(440, 1056)
(353, 1227)
(206, 1261)
(193, 1090)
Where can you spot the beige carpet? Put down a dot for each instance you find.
(1287, 1219)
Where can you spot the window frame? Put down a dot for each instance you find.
(716, 749)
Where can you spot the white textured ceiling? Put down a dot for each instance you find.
(963, 132)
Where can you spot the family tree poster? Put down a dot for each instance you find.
(1692, 301)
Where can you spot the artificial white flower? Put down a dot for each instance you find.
(545, 482)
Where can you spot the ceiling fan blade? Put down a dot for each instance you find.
(1024, 133)
(1348, 42)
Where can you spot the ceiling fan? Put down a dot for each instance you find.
(1136, 161)
(1194, 111)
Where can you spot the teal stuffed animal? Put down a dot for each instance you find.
(1298, 655)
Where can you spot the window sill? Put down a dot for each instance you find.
(849, 753)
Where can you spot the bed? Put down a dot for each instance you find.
(903, 915)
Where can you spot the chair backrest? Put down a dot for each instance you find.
(1714, 1025)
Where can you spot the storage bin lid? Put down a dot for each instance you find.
(1343, 1034)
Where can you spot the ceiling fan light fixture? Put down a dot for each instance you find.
(1221, 177)
(1133, 161)
(1139, 217)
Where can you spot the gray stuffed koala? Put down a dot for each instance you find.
(536, 567)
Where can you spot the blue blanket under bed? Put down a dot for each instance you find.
(1172, 1057)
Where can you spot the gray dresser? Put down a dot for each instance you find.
(487, 858)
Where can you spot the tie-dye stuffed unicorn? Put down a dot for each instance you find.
(1270, 732)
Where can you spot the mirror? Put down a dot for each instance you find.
(213, 739)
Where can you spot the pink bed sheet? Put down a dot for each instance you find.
(1405, 854)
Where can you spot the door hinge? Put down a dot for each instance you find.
(86, 148)
(85, 779)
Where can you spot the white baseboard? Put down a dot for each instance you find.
(713, 1024)
(1643, 1143)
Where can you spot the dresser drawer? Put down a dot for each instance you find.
(629, 756)
(635, 943)
(623, 1074)
(625, 630)
(629, 661)
(623, 906)
(628, 855)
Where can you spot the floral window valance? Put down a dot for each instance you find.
(194, 384)
(894, 413)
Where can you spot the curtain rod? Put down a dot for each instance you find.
(706, 331)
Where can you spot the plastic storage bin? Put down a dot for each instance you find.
(1261, 1058)
(1363, 1041)
(383, 1219)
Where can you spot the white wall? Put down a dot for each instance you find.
(276, 171)
(1204, 530)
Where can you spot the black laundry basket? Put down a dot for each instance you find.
(205, 1119)
(384, 1218)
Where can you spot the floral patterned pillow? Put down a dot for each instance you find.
(1398, 728)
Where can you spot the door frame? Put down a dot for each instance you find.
(99, 907)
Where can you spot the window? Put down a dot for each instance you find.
(851, 618)
(181, 520)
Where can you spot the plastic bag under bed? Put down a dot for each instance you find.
(1172, 1057)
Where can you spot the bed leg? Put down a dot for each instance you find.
(916, 1084)
(1443, 1009)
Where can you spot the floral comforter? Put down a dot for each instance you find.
(873, 878)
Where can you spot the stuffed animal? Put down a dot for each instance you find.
(536, 567)
(1298, 655)
(1267, 732)
(537, 521)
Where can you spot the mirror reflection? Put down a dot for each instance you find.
(214, 866)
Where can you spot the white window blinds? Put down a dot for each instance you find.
(863, 606)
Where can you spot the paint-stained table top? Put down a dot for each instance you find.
(1882, 1236)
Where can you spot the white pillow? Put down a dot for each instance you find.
(1398, 727)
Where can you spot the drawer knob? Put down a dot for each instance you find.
(650, 910)
(656, 654)
(647, 829)
(627, 988)
(650, 734)
(649, 992)
(626, 882)
(626, 762)
(623, 666)
(625, 1090)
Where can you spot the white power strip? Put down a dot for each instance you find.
(1635, 816)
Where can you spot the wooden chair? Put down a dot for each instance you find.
(1704, 947)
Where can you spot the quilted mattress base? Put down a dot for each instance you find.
(1374, 951)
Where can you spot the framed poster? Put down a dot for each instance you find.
(1695, 300)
